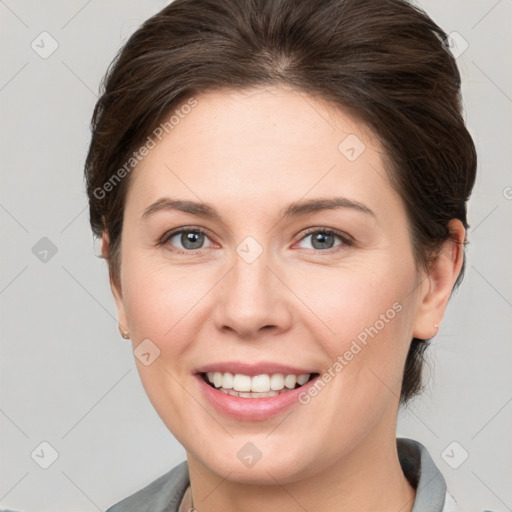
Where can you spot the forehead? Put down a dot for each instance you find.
(251, 115)
(249, 146)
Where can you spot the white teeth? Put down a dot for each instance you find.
(217, 379)
(277, 381)
(241, 394)
(259, 385)
(302, 379)
(241, 382)
(227, 381)
(290, 381)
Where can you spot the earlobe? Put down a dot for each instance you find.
(115, 285)
(441, 278)
(105, 245)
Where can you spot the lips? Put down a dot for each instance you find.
(253, 369)
(254, 383)
(253, 391)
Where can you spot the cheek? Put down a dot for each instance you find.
(354, 297)
(159, 303)
(158, 299)
(369, 313)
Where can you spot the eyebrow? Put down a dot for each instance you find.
(306, 207)
(165, 203)
(296, 209)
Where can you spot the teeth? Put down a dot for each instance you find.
(217, 379)
(290, 381)
(302, 379)
(232, 392)
(227, 381)
(241, 382)
(277, 382)
(259, 385)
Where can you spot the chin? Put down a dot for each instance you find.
(249, 465)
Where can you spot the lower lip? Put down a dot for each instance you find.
(254, 409)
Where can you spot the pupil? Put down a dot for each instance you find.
(191, 237)
(321, 237)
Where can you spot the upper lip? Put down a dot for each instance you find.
(252, 369)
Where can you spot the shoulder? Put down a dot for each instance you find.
(418, 466)
(163, 494)
(450, 504)
(422, 473)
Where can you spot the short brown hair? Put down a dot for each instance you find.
(385, 60)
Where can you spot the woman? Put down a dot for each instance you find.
(280, 188)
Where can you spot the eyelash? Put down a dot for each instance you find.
(347, 241)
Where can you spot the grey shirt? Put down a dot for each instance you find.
(165, 493)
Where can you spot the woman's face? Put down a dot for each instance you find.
(261, 288)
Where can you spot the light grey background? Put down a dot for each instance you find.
(67, 377)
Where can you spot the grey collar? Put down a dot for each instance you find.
(423, 475)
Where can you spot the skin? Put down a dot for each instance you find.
(249, 154)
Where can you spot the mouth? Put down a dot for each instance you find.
(256, 386)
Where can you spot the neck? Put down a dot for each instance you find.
(366, 479)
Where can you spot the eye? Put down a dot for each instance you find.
(324, 239)
(191, 239)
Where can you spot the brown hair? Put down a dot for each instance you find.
(385, 60)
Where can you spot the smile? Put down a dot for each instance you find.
(256, 386)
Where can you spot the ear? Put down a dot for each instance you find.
(115, 286)
(439, 282)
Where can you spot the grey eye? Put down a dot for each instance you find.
(190, 239)
(323, 239)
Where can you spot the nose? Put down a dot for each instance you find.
(253, 302)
